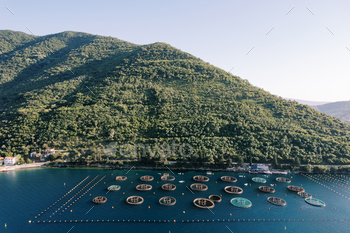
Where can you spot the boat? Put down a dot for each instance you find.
(208, 172)
(4, 170)
(277, 201)
(233, 190)
(215, 198)
(246, 184)
(167, 177)
(167, 201)
(179, 173)
(181, 181)
(284, 173)
(240, 176)
(203, 203)
(268, 172)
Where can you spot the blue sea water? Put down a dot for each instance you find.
(26, 193)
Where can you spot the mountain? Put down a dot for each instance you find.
(78, 92)
(340, 110)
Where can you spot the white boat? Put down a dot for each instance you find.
(246, 184)
(181, 181)
(272, 185)
(208, 172)
(268, 172)
(179, 173)
(284, 173)
(241, 176)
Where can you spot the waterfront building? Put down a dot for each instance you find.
(9, 161)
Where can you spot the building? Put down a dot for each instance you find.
(1, 161)
(33, 154)
(48, 152)
(9, 161)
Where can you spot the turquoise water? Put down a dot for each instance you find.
(26, 193)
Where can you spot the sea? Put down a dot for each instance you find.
(60, 200)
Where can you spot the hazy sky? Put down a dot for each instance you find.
(299, 58)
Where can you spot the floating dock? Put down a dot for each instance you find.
(199, 187)
(121, 178)
(277, 201)
(295, 188)
(134, 200)
(203, 203)
(241, 202)
(258, 180)
(146, 178)
(144, 187)
(99, 200)
(200, 178)
(114, 188)
(267, 189)
(233, 190)
(215, 198)
(315, 202)
(304, 194)
(167, 201)
(169, 187)
(283, 179)
(230, 179)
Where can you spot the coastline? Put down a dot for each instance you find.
(24, 166)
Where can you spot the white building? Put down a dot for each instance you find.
(9, 161)
(1, 161)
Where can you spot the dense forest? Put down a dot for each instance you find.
(79, 92)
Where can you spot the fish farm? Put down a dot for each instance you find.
(166, 177)
(199, 187)
(304, 194)
(113, 188)
(134, 200)
(295, 188)
(233, 190)
(167, 201)
(267, 189)
(315, 202)
(200, 178)
(144, 187)
(203, 203)
(146, 178)
(259, 180)
(121, 178)
(283, 179)
(169, 187)
(241, 202)
(277, 201)
(99, 200)
(228, 179)
(215, 198)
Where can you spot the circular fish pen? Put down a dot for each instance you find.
(230, 179)
(277, 201)
(144, 187)
(304, 194)
(203, 203)
(215, 198)
(241, 202)
(315, 202)
(200, 178)
(121, 178)
(233, 190)
(113, 188)
(146, 178)
(199, 187)
(169, 187)
(283, 179)
(168, 201)
(134, 200)
(267, 189)
(166, 177)
(295, 188)
(99, 200)
(258, 180)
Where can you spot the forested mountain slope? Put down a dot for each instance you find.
(77, 91)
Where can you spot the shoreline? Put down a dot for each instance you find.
(24, 166)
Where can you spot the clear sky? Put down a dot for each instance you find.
(299, 58)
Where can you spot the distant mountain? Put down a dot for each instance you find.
(77, 91)
(307, 102)
(340, 110)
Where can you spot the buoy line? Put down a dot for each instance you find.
(63, 196)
